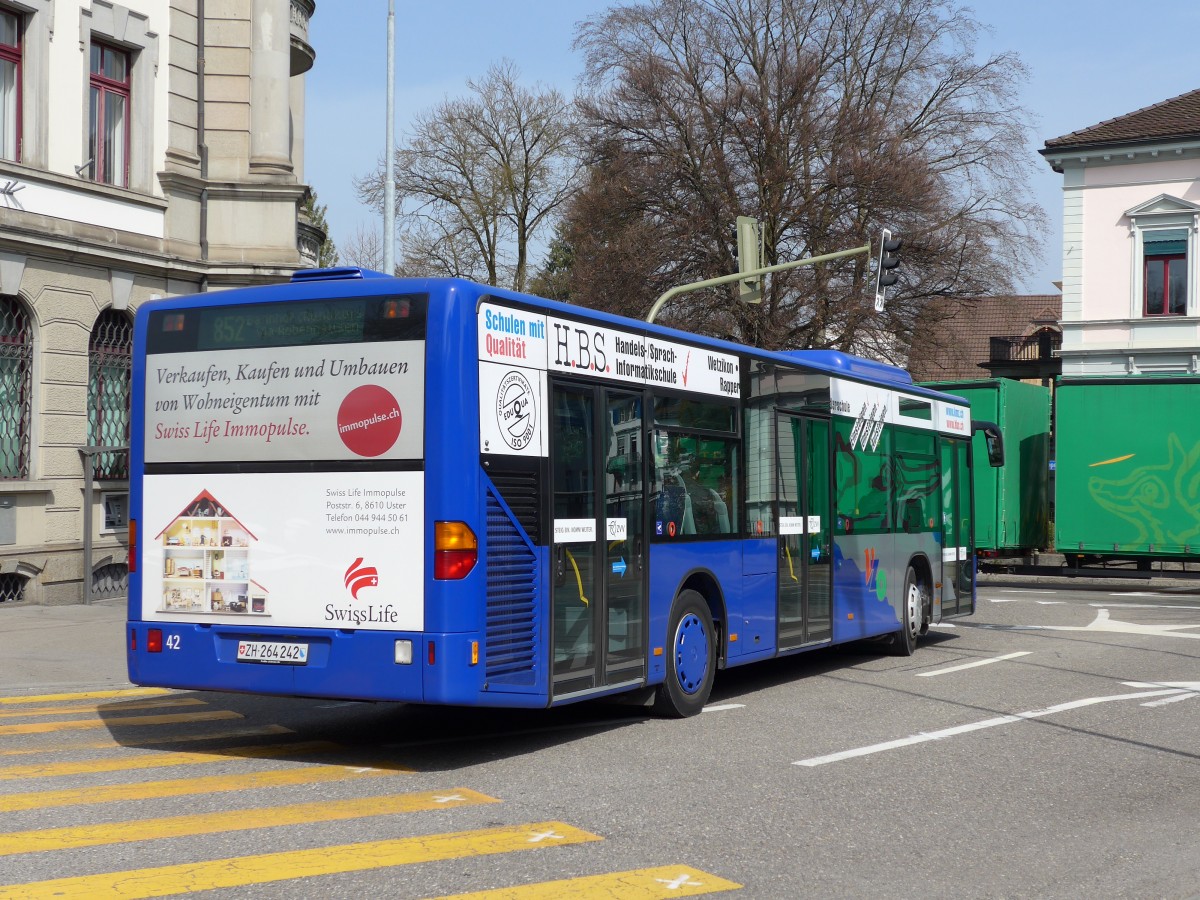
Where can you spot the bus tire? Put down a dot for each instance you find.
(912, 622)
(691, 658)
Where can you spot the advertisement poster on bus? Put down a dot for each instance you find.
(329, 402)
(311, 549)
(517, 348)
(512, 413)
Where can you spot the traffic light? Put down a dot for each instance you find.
(749, 241)
(885, 269)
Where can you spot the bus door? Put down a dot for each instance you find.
(598, 481)
(804, 475)
(958, 550)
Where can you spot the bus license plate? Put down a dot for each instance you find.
(272, 652)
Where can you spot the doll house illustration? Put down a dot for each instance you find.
(206, 562)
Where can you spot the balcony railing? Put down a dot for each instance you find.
(1035, 348)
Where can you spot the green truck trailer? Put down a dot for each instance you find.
(1127, 479)
(1012, 502)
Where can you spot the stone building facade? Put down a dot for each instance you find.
(147, 148)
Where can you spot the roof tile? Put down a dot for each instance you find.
(1177, 118)
(958, 340)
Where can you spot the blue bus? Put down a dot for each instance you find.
(431, 491)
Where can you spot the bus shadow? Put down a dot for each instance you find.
(402, 736)
(737, 684)
(394, 736)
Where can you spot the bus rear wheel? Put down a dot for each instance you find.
(692, 658)
(912, 625)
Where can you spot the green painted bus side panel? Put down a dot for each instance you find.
(1128, 466)
(1011, 502)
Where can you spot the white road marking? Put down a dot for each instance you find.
(1003, 600)
(1102, 622)
(680, 881)
(942, 625)
(972, 665)
(1052, 603)
(1139, 606)
(1165, 700)
(1181, 685)
(723, 707)
(925, 736)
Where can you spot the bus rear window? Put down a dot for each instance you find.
(290, 323)
(286, 382)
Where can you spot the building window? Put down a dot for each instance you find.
(1164, 275)
(110, 354)
(108, 130)
(10, 86)
(16, 368)
(1164, 234)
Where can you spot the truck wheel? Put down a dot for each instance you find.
(904, 642)
(691, 658)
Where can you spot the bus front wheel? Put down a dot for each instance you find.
(692, 658)
(912, 625)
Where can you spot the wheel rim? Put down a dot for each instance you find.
(913, 601)
(691, 653)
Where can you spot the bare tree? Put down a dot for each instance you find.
(825, 120)
(480, 178)
(365, 249)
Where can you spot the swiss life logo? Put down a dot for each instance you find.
(359, 576)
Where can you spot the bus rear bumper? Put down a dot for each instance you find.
(350, 665)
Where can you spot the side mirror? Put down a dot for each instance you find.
(994, 441)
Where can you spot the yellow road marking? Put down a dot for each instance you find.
(98, 708)
(46, 839)
(636, 884)
(163, 759)
(182, 787)
(268, 867)
(85, 695)
(193, 737)
(80, 724)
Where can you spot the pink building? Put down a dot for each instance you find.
(1131, 263)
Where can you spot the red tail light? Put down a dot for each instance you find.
(455, 550)
(133, 545)
(154, 640)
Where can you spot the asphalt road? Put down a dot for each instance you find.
(1047, 747)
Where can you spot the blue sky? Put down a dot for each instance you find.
(1088, 61)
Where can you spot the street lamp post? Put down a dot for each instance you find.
(389, 176)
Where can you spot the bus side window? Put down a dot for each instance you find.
(696, 475)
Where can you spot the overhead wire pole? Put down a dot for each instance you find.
(389, 175)
(754, 273)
